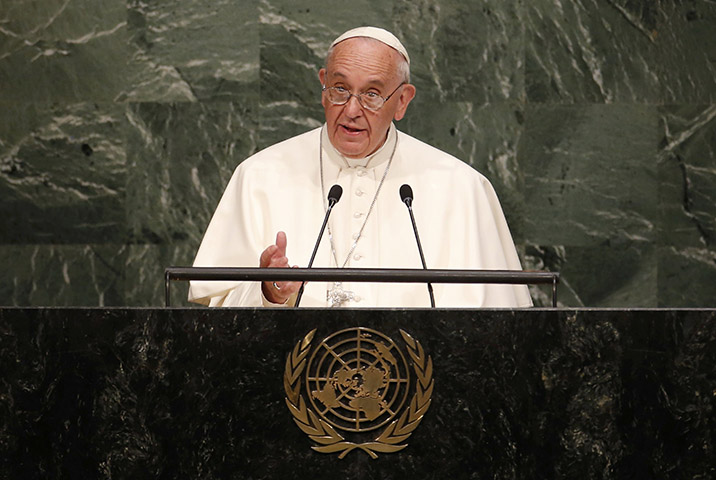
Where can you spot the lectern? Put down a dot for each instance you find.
(369, 393)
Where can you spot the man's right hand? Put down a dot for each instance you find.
(275, 257)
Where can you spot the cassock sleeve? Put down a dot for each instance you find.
(497, 249)
(476, 237)
(232, 239)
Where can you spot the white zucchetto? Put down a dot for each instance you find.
(376, 33)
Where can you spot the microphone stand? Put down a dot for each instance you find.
(333, 196)
(407, 197)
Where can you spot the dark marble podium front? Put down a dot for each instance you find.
(198, 393)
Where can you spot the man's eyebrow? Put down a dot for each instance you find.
(376, 82)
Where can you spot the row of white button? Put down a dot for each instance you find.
(361, 172)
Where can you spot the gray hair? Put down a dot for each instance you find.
(403, 70)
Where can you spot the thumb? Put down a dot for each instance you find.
(281, 242)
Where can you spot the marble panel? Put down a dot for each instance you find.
(686, 51)
(180, 159)
(317, 23)
(62, 275)
(62, 173)
(620, 51)
(62, 50)
(486, 137)
(550, 259)
(687, 175)
(200, 85)
(464, 51)
(144, 271)
(687, 276)
(616, 276)
(590, 174)
(290, 89)
(192, 50)
(591, 51)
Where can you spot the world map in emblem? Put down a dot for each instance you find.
(357, 379)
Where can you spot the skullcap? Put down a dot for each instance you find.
(379, 34)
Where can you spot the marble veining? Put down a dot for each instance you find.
(595, 394)
(122, 121)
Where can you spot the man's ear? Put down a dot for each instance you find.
(406, 95)
(322, 78)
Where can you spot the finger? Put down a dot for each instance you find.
(286, 287)
(289, 288)
(278, 262)
(278, 292)
(281, 242)
(267, 255)
(274, 292)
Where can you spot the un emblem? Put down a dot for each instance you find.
(357, 382)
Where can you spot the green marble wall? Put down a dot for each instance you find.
(121, 121)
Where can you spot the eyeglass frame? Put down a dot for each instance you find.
(358, 96)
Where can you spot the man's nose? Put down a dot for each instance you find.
(353, 107)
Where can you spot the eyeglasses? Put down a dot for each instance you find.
(368, 100)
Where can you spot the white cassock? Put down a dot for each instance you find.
(459, 219)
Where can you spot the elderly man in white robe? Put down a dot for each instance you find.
(275, 202)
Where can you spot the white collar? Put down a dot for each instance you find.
(381, 156)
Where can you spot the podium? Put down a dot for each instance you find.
(202, 393)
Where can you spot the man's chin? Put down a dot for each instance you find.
(351, 149)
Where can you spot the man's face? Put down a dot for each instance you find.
(361, 65)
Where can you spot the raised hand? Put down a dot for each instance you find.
(275, 257)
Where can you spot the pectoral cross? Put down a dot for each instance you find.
(338, 296)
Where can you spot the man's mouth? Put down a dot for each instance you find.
(352, 130)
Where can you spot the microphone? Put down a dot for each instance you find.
(334, 194)
(406, 195)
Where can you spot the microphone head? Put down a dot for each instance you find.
(406, 194)
(334, 194)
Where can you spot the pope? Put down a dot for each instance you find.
(279, 195)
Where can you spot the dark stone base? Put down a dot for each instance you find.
(197, 393)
